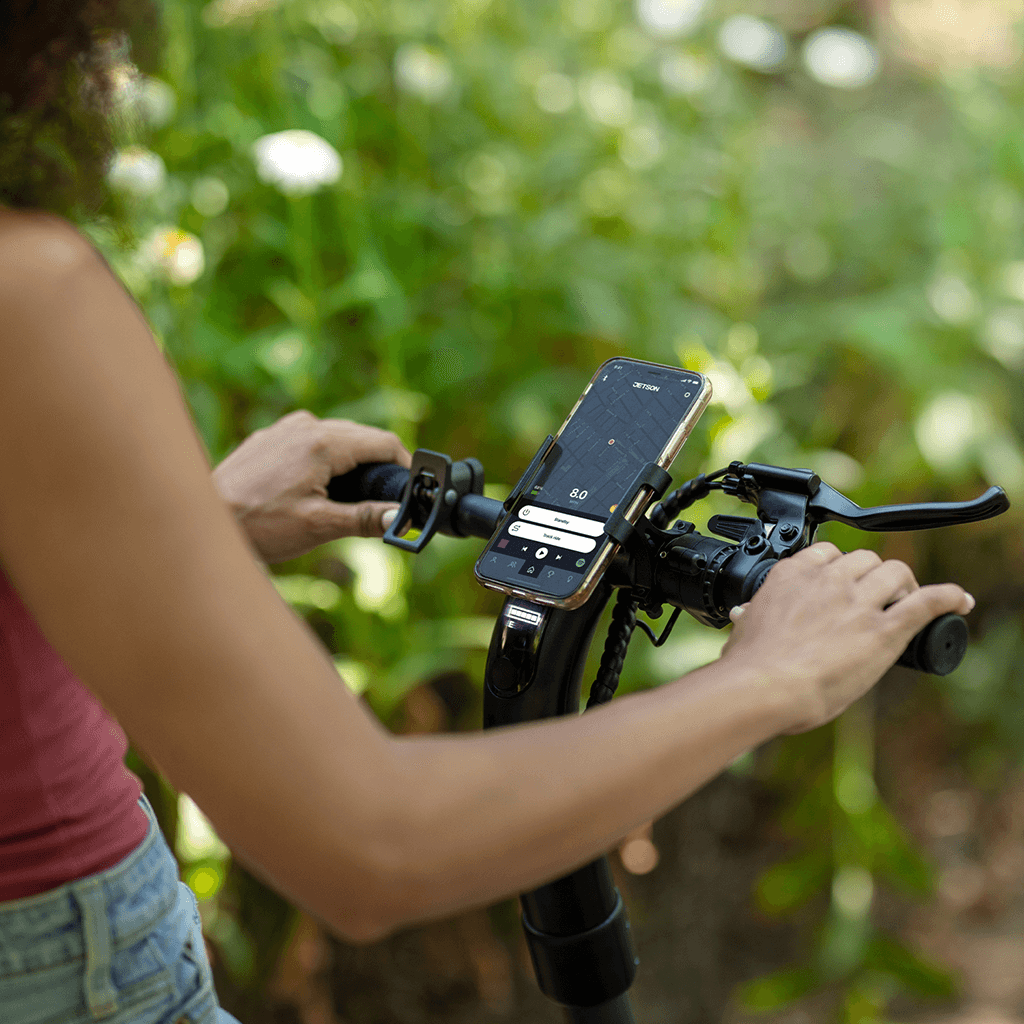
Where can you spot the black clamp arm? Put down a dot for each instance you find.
(531, 471)
(652, 476)
(619, 530)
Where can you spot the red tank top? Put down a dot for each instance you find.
(68, 805)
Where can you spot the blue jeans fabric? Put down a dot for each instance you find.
(123, 946)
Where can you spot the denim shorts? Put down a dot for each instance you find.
(123, 946)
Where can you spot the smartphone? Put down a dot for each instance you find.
(551, 548)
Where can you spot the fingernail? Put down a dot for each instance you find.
(388, 517)
(970, 597)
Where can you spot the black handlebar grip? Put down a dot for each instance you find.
(939, 647)
(369, 481)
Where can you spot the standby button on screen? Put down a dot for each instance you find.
(561, 520)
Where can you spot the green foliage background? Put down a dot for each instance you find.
(844, 264)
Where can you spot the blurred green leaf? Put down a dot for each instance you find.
(891, 851)
(783, 887)
(863, 1007)
(892, 957)
(288, 297)
(774, 991)
(382, 405)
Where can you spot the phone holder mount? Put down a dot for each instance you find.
(628, 537)
(618, 528)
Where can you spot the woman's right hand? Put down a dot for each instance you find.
(833, 624)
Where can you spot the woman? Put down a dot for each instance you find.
(133, 597)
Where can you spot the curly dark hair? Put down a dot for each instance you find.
(58, 123)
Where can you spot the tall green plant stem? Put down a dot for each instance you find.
(306, 260)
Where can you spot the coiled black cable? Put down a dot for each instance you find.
(619, 632)
(683, 497)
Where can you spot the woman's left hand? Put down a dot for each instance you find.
(275, 483)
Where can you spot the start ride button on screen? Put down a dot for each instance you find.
(556, 538)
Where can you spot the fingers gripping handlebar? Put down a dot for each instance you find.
(704, 576)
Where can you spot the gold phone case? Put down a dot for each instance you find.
(665, 459)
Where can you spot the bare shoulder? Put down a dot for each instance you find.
(36, 247)
(38, 222)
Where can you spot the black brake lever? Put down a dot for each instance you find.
(828, 504)
(802, 498)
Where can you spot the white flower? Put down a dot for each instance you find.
(137, 170)
(669, 17)
(296, 161)
(176, 254)
(422, 71)
(841, 58)
(753, 42)
(138, 94)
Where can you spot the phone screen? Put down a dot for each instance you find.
(555, 531)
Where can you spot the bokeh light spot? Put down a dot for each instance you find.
(669, 18)
(841, 58)
(852, 891)
(753, 42)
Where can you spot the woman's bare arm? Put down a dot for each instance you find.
(120, 546)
